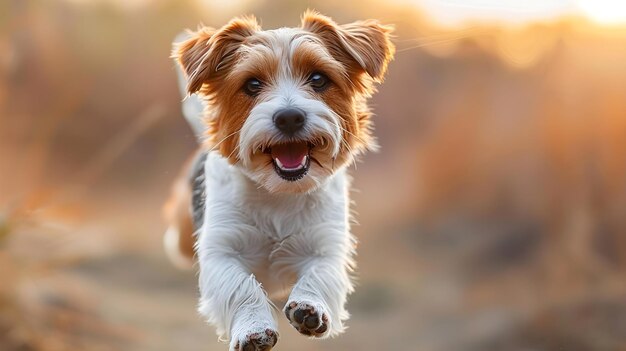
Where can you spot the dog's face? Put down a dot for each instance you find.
(288, 105)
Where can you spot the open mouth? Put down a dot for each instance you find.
(291, 160)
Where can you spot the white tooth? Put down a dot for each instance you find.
(303, 163)
(280, 165)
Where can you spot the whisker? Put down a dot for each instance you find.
(347, 146)
(346, 143)
(336, 123)
(439, 36)
(231, 153)
(440, 41)
(223, 139)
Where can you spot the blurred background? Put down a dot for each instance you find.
(494, 218)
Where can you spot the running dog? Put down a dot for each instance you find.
(264, 204)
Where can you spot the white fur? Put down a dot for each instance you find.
(253, 239)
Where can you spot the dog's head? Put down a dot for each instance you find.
(288, 105)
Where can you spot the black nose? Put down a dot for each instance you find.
(289, 120)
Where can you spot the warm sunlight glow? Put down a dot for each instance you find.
(512, 12)
(604, 11)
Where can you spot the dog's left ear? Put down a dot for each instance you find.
(366, 43)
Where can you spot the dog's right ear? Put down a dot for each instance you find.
(208, 53)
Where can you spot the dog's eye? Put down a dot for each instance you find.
(318, 81)
(253, 87)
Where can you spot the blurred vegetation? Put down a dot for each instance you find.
(494, 217)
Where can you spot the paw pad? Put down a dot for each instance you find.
(306, 319)
(258, 341)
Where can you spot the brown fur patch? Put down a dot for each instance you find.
(224, 128)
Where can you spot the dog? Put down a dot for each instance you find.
(263, 206)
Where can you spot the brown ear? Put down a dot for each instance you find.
(208, 53)
(366, 43)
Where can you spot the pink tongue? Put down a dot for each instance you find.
(290, 154)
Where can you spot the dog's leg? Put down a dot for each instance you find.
(316, 306)
(231, 298)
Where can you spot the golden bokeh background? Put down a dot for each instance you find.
(494, 217)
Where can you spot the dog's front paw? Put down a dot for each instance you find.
(263, 341)
(307, 319)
